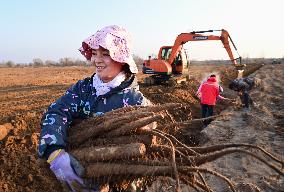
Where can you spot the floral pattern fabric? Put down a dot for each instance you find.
(81, 102)
(115, 39)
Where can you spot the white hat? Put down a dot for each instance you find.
(115, 39)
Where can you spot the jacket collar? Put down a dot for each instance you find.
(130, 82)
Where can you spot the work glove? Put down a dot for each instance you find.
(68, 171)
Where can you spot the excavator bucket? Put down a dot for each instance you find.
(240, 69)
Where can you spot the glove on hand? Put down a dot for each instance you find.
(67, 170)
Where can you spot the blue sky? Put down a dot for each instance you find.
(54, 29)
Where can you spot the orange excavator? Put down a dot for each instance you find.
(172, 61)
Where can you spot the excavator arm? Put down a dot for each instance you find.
(198, 36)
(170, 63)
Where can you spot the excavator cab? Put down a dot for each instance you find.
(181, 61)
(164, 55)
(179, 64)
(166, 52)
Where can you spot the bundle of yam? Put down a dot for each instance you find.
(136, 143)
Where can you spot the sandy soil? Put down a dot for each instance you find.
(261, 125)
(27, 92)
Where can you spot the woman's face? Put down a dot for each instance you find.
(106, 68)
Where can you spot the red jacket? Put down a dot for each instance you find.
(209, 91)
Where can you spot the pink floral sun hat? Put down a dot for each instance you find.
(115, 39)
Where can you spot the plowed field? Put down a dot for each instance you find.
(25, 93)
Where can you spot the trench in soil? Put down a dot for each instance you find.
(185, 93)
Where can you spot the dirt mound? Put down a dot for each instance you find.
(23, 101)
(261, 125)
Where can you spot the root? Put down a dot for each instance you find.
(123, 145)
(225, 146)
(95, 154)
(204, 182)
(211, 157)
(180, 143)
(173, 158)
(97, 170)
(125, 139)
(202, 159)
(92, 131)
(187, 123)
(132, 126)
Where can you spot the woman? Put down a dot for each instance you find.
(209, 92)
(112, 86)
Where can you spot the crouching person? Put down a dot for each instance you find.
(243, 86)
(112, 86)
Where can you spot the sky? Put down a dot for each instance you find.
(54, 29)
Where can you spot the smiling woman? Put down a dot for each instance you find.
(106, 68)
(112, 86)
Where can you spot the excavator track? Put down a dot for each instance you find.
(165, 80)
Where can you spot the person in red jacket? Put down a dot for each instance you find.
(208, 93)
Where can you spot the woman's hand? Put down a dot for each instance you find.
(67, 170)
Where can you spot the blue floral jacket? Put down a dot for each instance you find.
(80, 102)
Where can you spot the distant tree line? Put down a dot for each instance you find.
(37, 62)
(138, 60)
(40, 63)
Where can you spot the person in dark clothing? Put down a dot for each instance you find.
(113, 86)
(243, 86)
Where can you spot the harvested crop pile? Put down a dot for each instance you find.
(123, 146)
